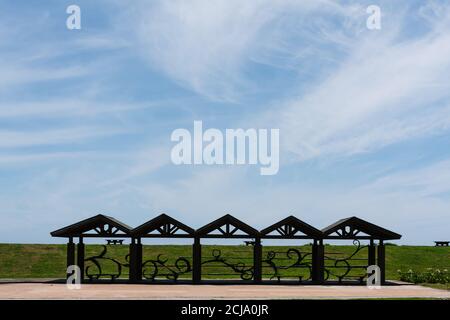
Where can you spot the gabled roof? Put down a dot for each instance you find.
(291, 227)
(103, 226)
(165, 226)
(350, 227)
(231, 226)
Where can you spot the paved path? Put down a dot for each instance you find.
(129, 291)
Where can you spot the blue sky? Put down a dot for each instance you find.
(86, 115)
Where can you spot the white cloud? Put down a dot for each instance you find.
(206, 45)
(385, 92)
(431, 180)
(14, 75)
(25, 159)
(141, 163)
(386, 89)
(14, 138)
(404, 202)
(64, 108)
(211, 192)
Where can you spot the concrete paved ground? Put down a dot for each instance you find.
(139, 291)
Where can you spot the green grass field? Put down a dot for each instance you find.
(49, 261)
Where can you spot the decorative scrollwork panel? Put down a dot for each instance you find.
(101, 266)
(349, 267)
(241, 269)
(291, 263)
(161, 268)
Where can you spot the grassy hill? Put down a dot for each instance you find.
(49, 261)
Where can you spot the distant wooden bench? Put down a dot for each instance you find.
(114, 241)
(249, 243)
(442, 243)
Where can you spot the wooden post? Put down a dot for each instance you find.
(257, 261)
(70, 254)
(381, 261)
(314, 262)
(80, 257)
(196, 261)
(320, 261)
(371, 259)
(133, 260)
(139, 260)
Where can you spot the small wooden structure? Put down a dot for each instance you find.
(320, 266)
(358, 230)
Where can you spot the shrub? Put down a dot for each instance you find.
(429, 276)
